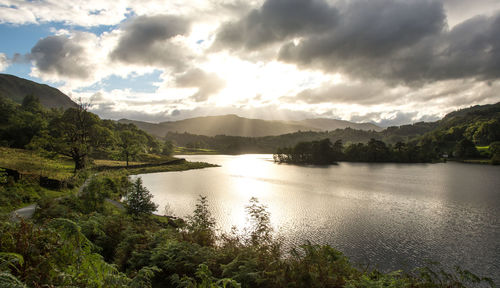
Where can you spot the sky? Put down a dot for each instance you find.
(389, 62)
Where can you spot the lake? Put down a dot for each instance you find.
(385, 216)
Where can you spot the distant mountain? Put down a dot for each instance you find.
(239, 126)
(325, 124)
(17, 88)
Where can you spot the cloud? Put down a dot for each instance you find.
(207, 83)
(4, 62)
(275, 21)
(62, 56)
(403, 43)
(87, 13)
(393, 118)
(372, 39)
(151, 41)
(367, 93)
(398, 41)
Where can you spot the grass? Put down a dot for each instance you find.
(170, 168)
(29, 162)
(31, 165)
(477, 161)
(193, 151)
(103, 162)
(483, 148)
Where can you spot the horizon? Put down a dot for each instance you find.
(384, 62)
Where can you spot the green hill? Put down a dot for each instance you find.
(16, 88)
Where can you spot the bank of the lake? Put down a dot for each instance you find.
(389, 216)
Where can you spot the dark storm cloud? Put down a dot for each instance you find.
(60, 55)
(397, 41)
(275, 21)
(418, 48)
(207, 83)
(373, 38)
(146, 41)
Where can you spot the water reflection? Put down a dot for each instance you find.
(386, 215)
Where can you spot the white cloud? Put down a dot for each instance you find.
(4, 62)
(243, 83)
(97, 12)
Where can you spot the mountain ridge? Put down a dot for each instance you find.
(233, 125)
(16, 88)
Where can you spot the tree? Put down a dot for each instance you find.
(31, 103)
(138, 199)
(261, 229)
(130, 143)
(94, 194)
(72, 134)
(202, 224)
(466, 149)
(168, 148)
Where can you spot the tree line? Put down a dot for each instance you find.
(74, 132)
(326, 152)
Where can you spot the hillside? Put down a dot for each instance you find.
(325, 124)
(233, 125)
(480, 124)
(17, 88)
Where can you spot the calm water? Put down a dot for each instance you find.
(389, 216)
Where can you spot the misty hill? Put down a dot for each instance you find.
(480, 124)
(244, 127)
(325, 124)
(16, 88)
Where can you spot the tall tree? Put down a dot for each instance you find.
(72, 134)
(130, 143)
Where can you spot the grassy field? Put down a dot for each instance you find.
(29, 162)
(102, 162)
(477, 161)
(32, 165)
(171, 168)
(193, 151)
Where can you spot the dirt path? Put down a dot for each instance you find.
(28, 211)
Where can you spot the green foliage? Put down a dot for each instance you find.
(466, 149)
(75, 133)
(323, 152)
(168, 148)
(60, 252)
(380, 280)
(8, 280)
(435, 276)
(3, 176)
(260, 230)
(94, 193)
(315, 152)
(201, 224)
(56, 254)
(131, 144)
(138, 199)
(71, 134)
(206, 280)
(143, 277)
